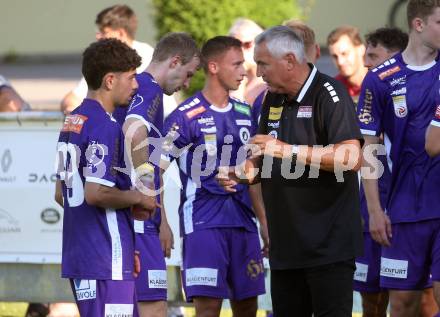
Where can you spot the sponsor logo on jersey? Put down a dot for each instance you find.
(400, 107)
(242, 109)
(254, 269)
(201, 276)
(275, 113)
(244, 135)
(398, 81)
(365, 115)
(194, 112)
(304, 112)
(244, 122)
(157, 279)
(393, 268)
(206, 121)
(361, 272)
(398, 92)
(209, 130)
(135, 101)
(85, 289)
(194, 102)
(211, 143)
(274, 125)
(118, 310)
(74, 123)
(389, 72)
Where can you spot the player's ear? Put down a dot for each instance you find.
(175, 61)
(418, 24)
(108, 81)
(213, 67)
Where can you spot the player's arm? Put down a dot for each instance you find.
(136, 137)
(59, 193)
(432, 143)
(111, 197)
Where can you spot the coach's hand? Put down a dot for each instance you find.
(227, 179)
(166, 238)
(380, 227)
(272, 147)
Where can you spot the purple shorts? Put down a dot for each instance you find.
(367, 274)
(222, 263)
(414, 255)
(151, 283)
(104, 298)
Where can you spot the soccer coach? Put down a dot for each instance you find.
(309, 147)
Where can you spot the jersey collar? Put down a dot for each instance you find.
(307, 84)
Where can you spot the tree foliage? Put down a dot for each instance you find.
(204, 19)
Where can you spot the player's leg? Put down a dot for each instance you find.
(151, 283)
(374, 304)
(428, 305)
(367, 280)
(246, 271)
(104, 297)
(405, 266)
(205, 262)
(245, 307)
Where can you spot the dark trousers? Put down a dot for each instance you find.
(325, 290)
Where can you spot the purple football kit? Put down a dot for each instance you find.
(147, 106)
(221, 249)
(98, 243)
(399, 100)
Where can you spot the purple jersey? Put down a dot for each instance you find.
(257, 105)
(98, 243)
(147, 106)
(213, 137)
(399, 100)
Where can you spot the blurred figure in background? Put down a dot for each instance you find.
(246, 30)
(10, 100)
(120, 22)
(347, 52)
(312, 49)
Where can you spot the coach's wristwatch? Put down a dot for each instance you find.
(294, 152)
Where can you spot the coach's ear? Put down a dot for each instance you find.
(108, 81)
(290, 61)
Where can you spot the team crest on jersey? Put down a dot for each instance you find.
(274, 134)
(400, 107)
(74, 123)
(244, 135)
(275, 113)
(194, 112)
(389, 72)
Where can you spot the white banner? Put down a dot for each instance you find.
(30, 219)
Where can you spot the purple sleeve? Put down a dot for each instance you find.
(103, 155)
(370, 106)
(256, 107)
(144, 106)
(177, 133)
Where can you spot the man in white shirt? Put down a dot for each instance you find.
(118, 21)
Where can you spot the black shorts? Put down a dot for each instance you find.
(325, 290)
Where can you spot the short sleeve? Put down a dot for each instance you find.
(339, 114)
(370, 106)
(103, 154)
